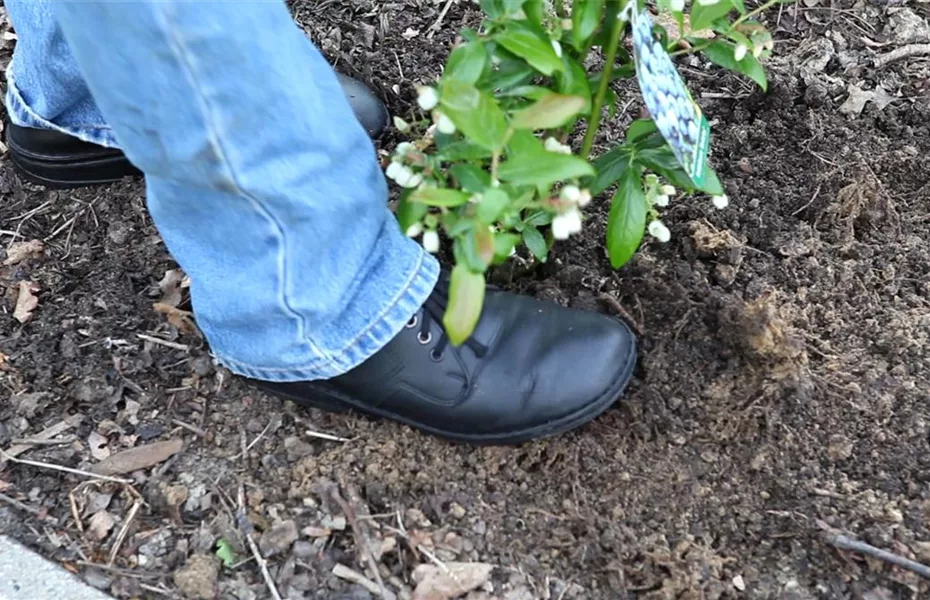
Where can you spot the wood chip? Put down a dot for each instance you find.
(139, 458)
(26, 302)
(20, 251)
(46, 434)
(451, 580)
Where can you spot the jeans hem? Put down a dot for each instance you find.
(373, 338)
(22, 115)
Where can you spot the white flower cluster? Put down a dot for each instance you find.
(568, 222)
(401, 173)
(430, 237)
(553, 145)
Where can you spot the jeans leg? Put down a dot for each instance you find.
(45, 86)
(263, 184)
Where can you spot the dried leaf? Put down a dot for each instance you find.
(457, 579)
(181, 319)
(5, 485)
(20, 251)
(97, 501)
(100, 525)
(26, 302)
(98, 445)
(170, 286)
(135, 459)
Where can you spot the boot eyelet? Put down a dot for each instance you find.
(424, 339)
(412, 322)
(435, 356)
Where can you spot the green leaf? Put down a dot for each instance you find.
(543, 168)
(461, 150)
(536, 243)
(520, 39)
(446, 198)
(493, 203)
(533, 92)
(534, 11)
(509, 74)
(663, 161)
(626, 224)
(466, 297)
(703, 16)
(539, 218)
(740, 6)
(471, 179)
(712, 183)
(503, 244)
(551, 111)
(524, 142)
(610, 167)
(467, 62)
(409, 212)
(495, 9)
(640, 128)
(475, 113)
(484, 244)
(721, 53)
(573, 81)
(225, 552)
(586, 16)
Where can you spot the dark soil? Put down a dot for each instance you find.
(783, 393)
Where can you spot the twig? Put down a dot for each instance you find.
(361, 540)
(45, 434)
(161, 342)
(35, 442)
(43, 465)
(26, 508)
(326, 436)
(343, 572)
(844, 543)
(262, 563)
(902, 52)
(442, 15)
(133, 573)
(124, 530)
(622, 312)
(189, 427)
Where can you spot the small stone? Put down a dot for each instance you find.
(416, 516)
(457, 510)
(315, 532)
(840, 448)
(480, 527)
(333, 523)
(922, 551)
(894, 515)
(278, 539)
(303, 549)
(197, 579)
(739, 583)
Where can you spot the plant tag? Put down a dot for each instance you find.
(677, 116)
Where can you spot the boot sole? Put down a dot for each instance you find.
(71, 172)
(331, 400)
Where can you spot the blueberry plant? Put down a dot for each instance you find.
(500, 158)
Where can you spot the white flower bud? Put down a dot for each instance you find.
(567, 24)
(431, 241)
(661, 200)
(403, 175)
(427, 97)
(659, 231)
(570, 193)
(401, 125)
(403, 148)
(677, 5)
(720, 202)
(585, 198)
(444, 124)
(414, 230)
(415, 180)
(557, 47)
(565, 224)
(707, 2)
(393, 170)
(739, 53)
(757, 49)
(667, 190)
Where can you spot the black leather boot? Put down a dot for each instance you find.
(532, 369)
(58, 160)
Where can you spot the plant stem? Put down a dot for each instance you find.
(594, 122)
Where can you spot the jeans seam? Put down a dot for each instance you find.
(215, 141)
(337, 358)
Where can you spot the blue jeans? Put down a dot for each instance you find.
(264, 186)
